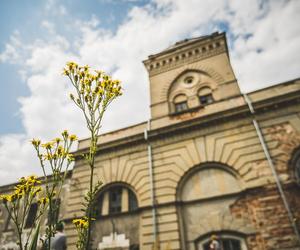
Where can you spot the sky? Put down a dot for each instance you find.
(37, 38)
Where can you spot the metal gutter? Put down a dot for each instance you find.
(150, 168)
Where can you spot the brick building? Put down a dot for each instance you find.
(210, 161)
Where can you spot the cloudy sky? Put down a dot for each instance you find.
(37, 38)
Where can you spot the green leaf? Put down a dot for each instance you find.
(34, 241)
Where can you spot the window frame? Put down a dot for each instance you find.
(117, 190)
(209, 99)
(132, 201)
(180, 106)
(223, 235)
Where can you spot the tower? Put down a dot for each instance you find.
(189, 76)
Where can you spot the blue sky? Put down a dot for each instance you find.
(38, 37)
(25, 17)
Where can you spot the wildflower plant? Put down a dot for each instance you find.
(94, 91)
(56, 156)
(18, 205)
(93, 94)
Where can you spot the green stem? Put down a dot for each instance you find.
(89, 207)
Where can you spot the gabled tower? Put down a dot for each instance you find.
(191, 75)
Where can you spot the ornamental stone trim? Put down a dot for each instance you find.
(178, 59)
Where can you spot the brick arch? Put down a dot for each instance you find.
(201, 69)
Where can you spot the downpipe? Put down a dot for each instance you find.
(273, 169)
(150, 169)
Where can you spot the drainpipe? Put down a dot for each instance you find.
(150, 167)
(274, 172)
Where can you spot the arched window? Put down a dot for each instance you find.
(206, 193)
(116, 199)
(180, 103)
(205, 96)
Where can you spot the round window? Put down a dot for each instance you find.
(189, 80)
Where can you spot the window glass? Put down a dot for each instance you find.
(225, 244)
(115, 200)
(181, 106)
(206, 99)
(132, 201)
(31, 215)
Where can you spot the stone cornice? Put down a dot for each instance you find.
(202, 122)
(198, 50)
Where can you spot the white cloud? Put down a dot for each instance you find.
(264, 49)
(11, 53)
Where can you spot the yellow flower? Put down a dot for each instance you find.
(73, 137)
(48, 157)
(81, 223)
(70, 157)
(57, 140)
(36, 191)
(43, 200)
(72, 65)
(22, 180)
(47, 145)
(35, 142)
(5, 198)
(65, 133)
(65, 72)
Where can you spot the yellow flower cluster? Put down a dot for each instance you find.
(81, 223)
(92, 89)
(43, 200)
(26, 186)
(57, 148)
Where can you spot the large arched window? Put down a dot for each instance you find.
(208, 182)
(116, 199)
(206, 194)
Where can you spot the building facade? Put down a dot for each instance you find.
(210, 161)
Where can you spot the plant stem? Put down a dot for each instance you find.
(93, 146)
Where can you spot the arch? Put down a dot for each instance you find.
(206, 172)
(214, 75)
(188, 84)
(114, 198)
(183, 73)
(180, 98)
(204, 90)
(202, 211)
